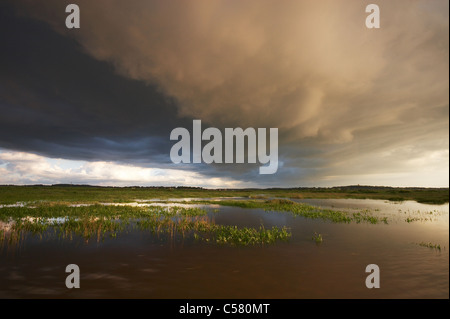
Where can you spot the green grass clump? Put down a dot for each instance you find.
(203, 229)
(317, 238)
(430, 245)
(249, 236)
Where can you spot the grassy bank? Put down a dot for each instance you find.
(91, 194)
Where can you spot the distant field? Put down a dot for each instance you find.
(92, 194)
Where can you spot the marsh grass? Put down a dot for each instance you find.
(249, 236)
(317, 238)
(421, 216)
(430, 245)
(101, 221)
(303, 210)
(203, 229)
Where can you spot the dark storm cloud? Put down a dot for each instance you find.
(57, 101)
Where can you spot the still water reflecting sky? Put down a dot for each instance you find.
(139, 264)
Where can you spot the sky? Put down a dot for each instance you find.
(353, 105)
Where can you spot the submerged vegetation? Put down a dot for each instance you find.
(430, 245)
(420, 216)
(303, 210)
(247, 235)
(100, 221)
(317, 238)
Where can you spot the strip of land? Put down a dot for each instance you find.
(94, 194)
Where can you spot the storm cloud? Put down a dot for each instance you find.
(352, 105)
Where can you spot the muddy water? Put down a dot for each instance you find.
(138, 264)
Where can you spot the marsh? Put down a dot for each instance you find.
(186, 256)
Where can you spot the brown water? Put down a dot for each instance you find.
(138, 264)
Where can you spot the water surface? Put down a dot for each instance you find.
(139, 264)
